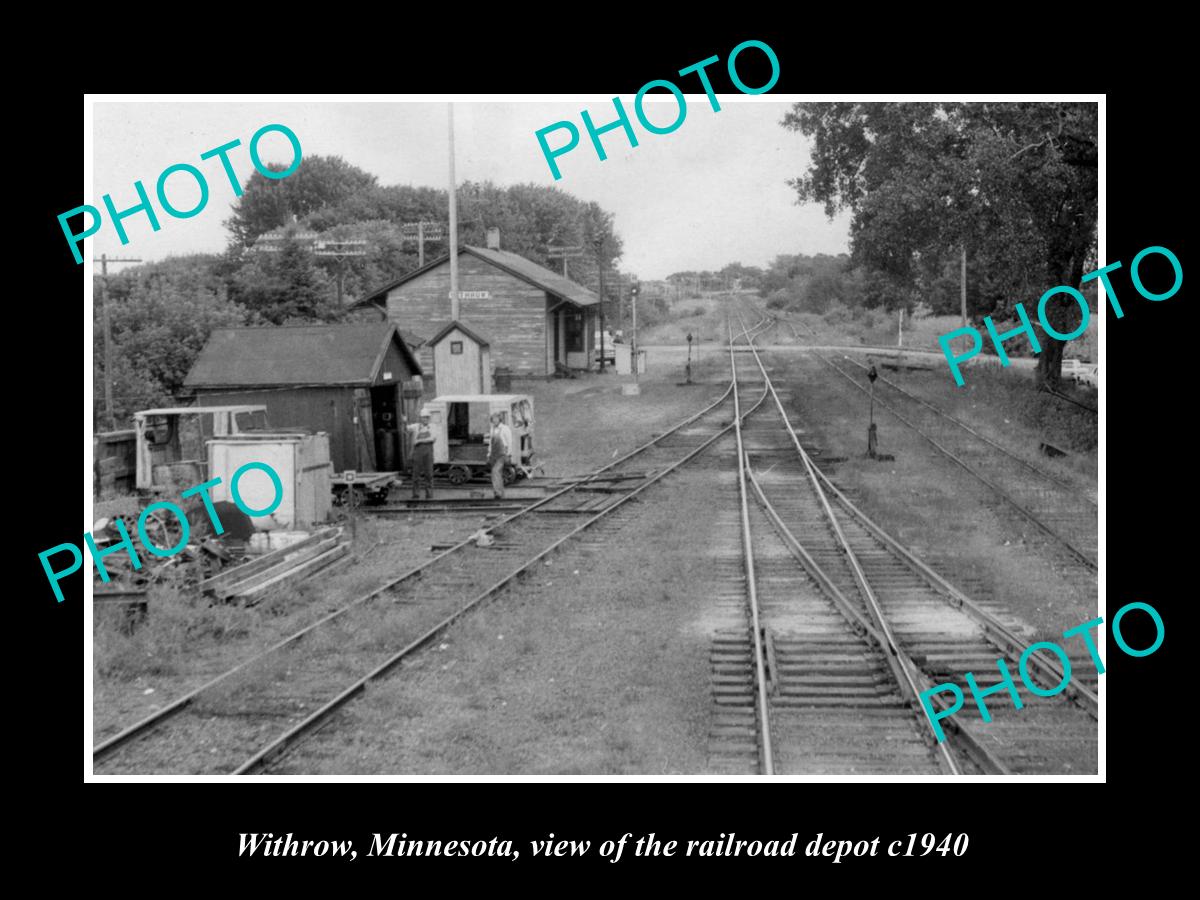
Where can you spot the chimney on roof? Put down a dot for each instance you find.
(493, 238)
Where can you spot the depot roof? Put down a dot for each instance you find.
(520, 267)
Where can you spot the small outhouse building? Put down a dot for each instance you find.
(462, 361)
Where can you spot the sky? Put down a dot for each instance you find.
(710, 193)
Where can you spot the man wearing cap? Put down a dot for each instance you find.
(422, 461)
(499, 446)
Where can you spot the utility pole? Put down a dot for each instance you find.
(453, 223)
(564, 253)
(963, 281)
(599, 242)
(422, 232)
(108, 398)
(339, 251)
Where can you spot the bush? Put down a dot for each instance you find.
(837, 314)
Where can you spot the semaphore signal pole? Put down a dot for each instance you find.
(104, 260)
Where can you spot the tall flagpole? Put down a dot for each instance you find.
(453, 224)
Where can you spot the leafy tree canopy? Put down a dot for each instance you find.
(1013, 183)
(320, 182)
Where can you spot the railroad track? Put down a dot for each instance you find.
(957, 426)
(246, 719)
(1064, 518)
(833, 628)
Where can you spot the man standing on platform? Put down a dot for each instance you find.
(422, 461)
(499, 446)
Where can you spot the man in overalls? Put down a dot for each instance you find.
(498, 449)
(422, 459)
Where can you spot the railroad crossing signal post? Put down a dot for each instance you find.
(689, 362)
(633, 344)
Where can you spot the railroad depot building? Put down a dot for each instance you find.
(532, 319)
(345, 380)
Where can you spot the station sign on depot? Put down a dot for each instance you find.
(471, 295)
(622, 120)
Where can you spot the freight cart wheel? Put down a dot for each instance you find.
(510, 473)
(459, 474)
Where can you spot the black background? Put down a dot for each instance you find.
(136, 828)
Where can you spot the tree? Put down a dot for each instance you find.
(1014, 183)
(285, 286)
(161, 315)
(269, 203)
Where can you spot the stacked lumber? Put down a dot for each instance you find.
(248, 582)
(115, 464)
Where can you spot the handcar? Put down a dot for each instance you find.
(461, 425)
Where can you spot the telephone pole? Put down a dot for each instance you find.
(104, 260)
(564, 253)
(963, 281)
(599, 242)
(340, 251)
(453, 223)
(422, 232)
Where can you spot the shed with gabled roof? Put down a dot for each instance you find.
(345, 380)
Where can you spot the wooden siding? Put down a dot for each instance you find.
(395, 363)
(328, 409)
(468, 372)
(115, 461)
(513, 318)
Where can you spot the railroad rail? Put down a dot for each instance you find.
(238, 712)
(853, 626)
(1051, 505)
(954, 420)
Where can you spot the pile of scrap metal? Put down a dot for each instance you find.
(177, 447)
(205, 554)
(218, 566)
